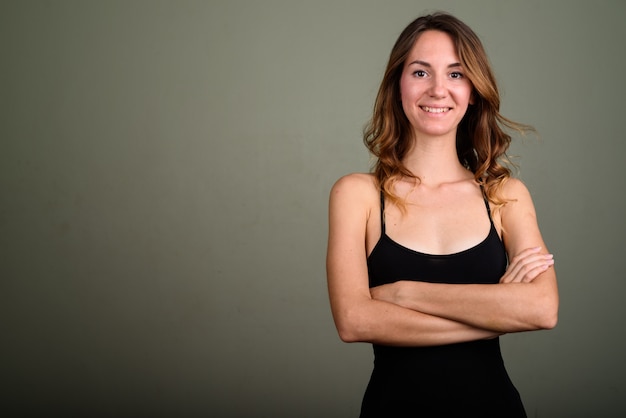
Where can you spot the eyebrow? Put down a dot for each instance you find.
(425, 64)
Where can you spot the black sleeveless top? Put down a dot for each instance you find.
(456, 380)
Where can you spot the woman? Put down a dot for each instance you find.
(437, 253)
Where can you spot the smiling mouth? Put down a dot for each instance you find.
(435, 109)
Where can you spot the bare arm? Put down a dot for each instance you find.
(526, 297)
(357, 316)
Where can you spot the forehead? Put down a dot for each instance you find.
(433, 44)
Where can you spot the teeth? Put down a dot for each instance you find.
(435, 109)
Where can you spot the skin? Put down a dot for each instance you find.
(435, 94)
(445, 214)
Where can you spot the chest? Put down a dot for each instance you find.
(483, 263)
(441, 224)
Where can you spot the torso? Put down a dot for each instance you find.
(464, 379)
(441, 220)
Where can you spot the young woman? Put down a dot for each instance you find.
(437, 252)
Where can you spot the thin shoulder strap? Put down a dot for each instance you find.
(382, 211)
(486, 203)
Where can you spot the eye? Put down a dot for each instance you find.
(456, 75)
(419, 73)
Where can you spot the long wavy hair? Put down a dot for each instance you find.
(481, 139)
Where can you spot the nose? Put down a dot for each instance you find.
(437, 87)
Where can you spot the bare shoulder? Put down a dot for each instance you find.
(514, 189)
(359, 186)
(519, 202)
(352, 199)
(519, 218)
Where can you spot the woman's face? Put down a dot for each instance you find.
(435, 92)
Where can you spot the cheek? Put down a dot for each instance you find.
(403, 90)
(407, 100)
(406, 88)
(408, 96)
(464, 95)
(404, 96)
(471, 93)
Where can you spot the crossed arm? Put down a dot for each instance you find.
(417, 313)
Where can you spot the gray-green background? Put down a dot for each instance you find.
(164, 173)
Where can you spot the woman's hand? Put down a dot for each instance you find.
(527, 265)
(387, 293)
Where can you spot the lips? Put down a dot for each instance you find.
(434, 109)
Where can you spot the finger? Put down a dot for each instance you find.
(533, 273)
(523, 268)
(528, 272)
(515, 267)
(518, 261)
(522, 255)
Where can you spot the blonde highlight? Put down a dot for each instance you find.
(483, 134)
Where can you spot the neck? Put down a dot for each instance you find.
(435, 161)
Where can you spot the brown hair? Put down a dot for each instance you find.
(481, 141)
